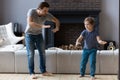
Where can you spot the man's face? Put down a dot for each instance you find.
(43, 12)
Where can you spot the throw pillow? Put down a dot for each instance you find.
(3, 36)
(1, 41)
(7, 36)
(11, 36)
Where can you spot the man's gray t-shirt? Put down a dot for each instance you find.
(90, 41)
(38, 19)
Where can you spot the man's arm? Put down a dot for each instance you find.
(57, 22)
(33, 24)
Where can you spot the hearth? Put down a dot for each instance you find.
(71, 27)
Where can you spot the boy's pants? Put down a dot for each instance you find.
(91, 54)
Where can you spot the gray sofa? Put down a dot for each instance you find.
(13, 57)
(58, 61)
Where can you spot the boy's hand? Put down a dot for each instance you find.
(78, 44)
(102, 42)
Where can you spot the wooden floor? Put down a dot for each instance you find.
(55, 77)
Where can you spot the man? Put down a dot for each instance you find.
(34, 38)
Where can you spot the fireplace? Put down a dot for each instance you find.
(71, 27)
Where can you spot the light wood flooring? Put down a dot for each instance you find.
(55, 77)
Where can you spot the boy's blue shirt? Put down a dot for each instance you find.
(90, 40)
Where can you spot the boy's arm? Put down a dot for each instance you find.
(100, 41)
(78, 41)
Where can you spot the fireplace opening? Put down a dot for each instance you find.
(68, 34)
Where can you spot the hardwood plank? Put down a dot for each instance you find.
(55, 77)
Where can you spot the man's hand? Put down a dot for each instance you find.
(45, 26)
(55, 30)
(57, 22)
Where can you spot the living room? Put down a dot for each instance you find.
(16, 12)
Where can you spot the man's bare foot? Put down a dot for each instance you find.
(81, 76)
(32, 76)
(92, 78)
(47, 74)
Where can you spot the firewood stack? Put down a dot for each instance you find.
(71, 47)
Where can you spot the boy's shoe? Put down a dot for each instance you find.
(32, 76)
(92, 78)
(47, 74)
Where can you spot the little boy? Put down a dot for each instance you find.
(91, 39)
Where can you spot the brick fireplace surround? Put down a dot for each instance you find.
(70, 5)
(71, 15)
(70, 28)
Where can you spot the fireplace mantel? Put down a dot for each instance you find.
(75, 16)
(93, 12)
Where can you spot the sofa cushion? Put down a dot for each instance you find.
(21, 59)
(9, 48)
(7, 60)
(21, 64)
(116, 61)
(64, 61)
(75, 61)
(107, 62)
(51, 61)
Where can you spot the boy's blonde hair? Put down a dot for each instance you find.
(91, 20)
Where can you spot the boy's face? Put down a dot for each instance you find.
(43, 12)
(88, 26)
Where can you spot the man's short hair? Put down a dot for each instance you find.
(43, 4)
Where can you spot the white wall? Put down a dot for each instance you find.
(109, 20)
(1, 12)
(16, 10)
